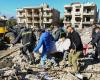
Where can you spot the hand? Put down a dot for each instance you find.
(72, 51)
(12, 45)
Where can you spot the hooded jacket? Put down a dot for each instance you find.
(45, 40)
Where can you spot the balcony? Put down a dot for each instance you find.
(88, 22)
(29, 15)
(78, 13)
(89, 5)
(67, 13)
(89, 13)
(47, 15)
(36, 21)
(20, 15)
(29, 21)
(21, 21)
(66, 21)
(48, 21)
(47, 9)
(67, 6)
(35, 15)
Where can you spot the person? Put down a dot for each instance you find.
(56, 32)
(75, 48)
(94, 26)
(96, 43)
(63, 45)
(46, 42)
(28, 41)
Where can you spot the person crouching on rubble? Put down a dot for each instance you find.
(63, 45)
(28, 41)
(96, 43)
(45, 41)
(75, 48)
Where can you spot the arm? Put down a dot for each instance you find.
(95, 40)
(39, 44)
(67, 44)
(18, 37)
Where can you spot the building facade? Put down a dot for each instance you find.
(40, 16)
(80, 15)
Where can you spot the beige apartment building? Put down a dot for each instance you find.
(40, 16)
(80, 15)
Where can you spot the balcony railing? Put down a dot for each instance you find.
(29, 15)
(29, 21)
(36, 15)
(36, 21)
(48, 21)
(66, 21)
(77, 13)
(47, 15)
(67, 6)
(88, 22)
(20, 15)
(89, 13)
(67, 13)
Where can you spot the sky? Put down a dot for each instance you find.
(8, 7)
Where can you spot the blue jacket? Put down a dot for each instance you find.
(45, 40)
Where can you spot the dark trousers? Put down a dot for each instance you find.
(28, 49)
(97, 53)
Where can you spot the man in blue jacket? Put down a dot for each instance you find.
(46, 41)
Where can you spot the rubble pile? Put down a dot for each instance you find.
(86, 35)
(20, 69)
(16, 67)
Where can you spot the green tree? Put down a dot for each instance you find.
(11, 21)
(61, 22)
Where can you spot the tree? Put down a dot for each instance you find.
(61, 22)
(11, 21)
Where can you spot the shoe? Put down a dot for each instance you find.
(69, 65)
(78, 75)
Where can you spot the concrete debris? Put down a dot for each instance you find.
(69, 76)
(16, 67)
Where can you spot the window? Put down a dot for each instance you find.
(76, 26)
(78, 19)
(69, 10)
(88, 10)
(87, 18)
(77, 10)
(68, 18)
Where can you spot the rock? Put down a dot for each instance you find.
(90, 67)
(87, 75)
(31, 77)
(9, 72)
(68, 76)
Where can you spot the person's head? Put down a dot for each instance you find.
(63, 36)
(40, 31)
(97, 29)
(69, 28)
(94, 25)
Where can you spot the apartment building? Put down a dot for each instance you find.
(40, 16)
(80, 15)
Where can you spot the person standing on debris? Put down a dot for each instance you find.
(57, 31)
(28, 41)
(75, 48)
(96, 43)
(45, 42)
(94, 26)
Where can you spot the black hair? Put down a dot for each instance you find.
(40, 30)
(63, 35)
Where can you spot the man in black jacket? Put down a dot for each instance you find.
(96, 43)
(75, 48)
(28, 41)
